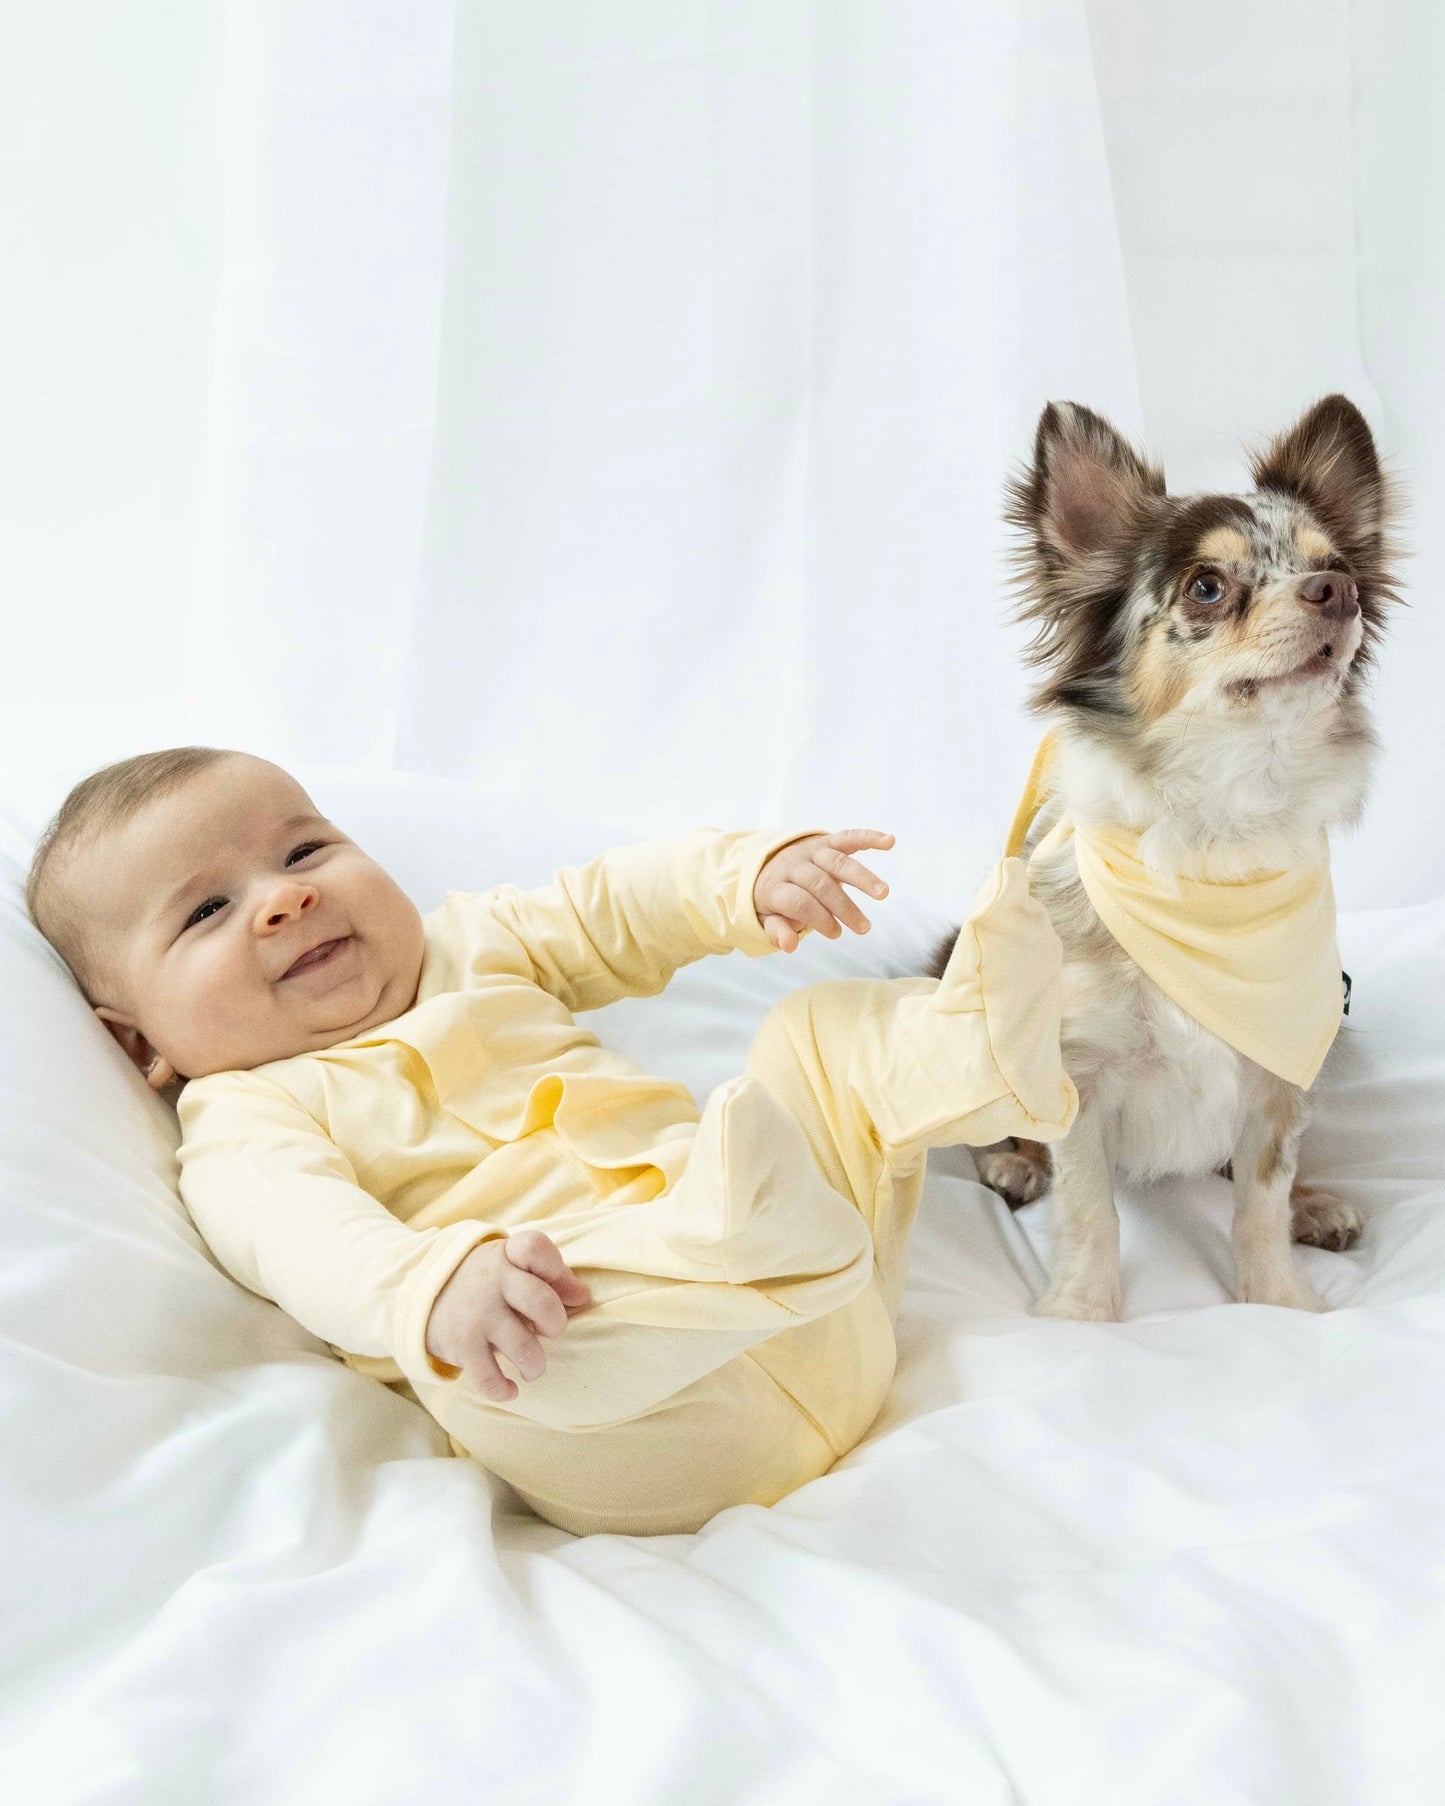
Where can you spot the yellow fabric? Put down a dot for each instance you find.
(744, 1260)
(1253, 959)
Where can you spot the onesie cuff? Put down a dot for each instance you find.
(449, 1248)
(750, 935)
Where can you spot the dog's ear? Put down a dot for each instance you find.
(1085, 489)
(1082, 505)
(1327, 460)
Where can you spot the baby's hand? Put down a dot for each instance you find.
(503, 1296)
(801, 886)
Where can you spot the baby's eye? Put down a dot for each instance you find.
(1206, 588)
(202, 910)
(212, 904)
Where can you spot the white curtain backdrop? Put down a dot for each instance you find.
(609, 400)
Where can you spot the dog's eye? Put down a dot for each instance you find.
(1206, 588)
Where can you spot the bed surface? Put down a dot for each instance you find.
(1198, 1556)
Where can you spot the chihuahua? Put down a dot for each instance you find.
(1201, 664)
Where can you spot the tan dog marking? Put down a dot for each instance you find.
(1156, 680)
(1224, 545)
(1282, 1113)
(1314, 547)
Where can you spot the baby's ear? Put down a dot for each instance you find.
(1086, 486)
(156, 1072)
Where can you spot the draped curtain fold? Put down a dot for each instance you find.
(611, 403)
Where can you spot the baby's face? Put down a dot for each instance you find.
(234, 925)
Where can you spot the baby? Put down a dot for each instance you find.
(394, 1127)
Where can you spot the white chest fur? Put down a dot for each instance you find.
(1168, 1092)
(1231, 797)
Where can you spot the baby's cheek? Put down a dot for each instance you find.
(398, 926)
(218, 1016)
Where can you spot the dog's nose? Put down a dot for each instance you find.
(1333, 593)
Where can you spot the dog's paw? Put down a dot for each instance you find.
(1321, 1220)
(1287, 1290)
(1019, 1171)
(1081, 1304)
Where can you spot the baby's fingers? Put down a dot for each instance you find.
(804, 908)
(853, 840)
(536, 1301)
(781, 932)
(484, 1376)
(536, 1253)
(849, 871)
(830, 893)
(511, 1337)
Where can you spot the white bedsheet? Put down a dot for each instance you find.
(1196, 1557)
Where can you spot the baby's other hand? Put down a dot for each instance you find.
(801, 886)
(502, 1297)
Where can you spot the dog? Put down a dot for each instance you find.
(1201, 662)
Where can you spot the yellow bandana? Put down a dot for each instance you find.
(1252, 959)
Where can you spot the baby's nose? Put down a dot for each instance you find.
(281, 904)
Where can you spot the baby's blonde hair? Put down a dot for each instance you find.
(105, 800)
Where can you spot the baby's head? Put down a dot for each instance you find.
(214, 919)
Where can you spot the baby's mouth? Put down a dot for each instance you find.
(317, 957)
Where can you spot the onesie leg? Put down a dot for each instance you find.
(732, 1438)
(875, 1072)
(878, 1071)
(801, 1185)
(749, 1241)
(822, 1053)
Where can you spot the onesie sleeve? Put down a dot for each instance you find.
(621, 925)
(277, 1203)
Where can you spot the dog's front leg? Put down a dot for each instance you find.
(1265, 1157)
(1086, 1226)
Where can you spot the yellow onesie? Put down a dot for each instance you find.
(745, 1261)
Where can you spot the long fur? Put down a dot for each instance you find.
(1201, 661)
